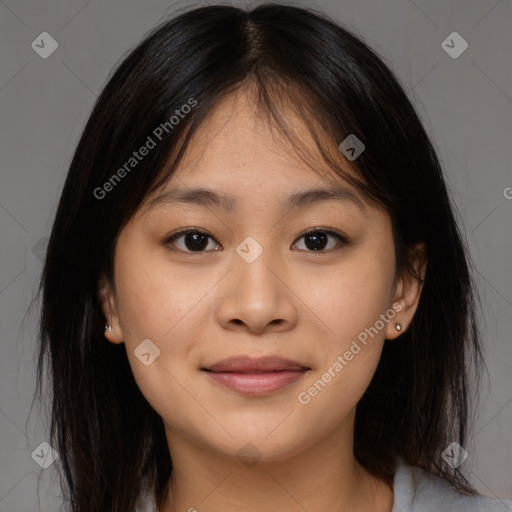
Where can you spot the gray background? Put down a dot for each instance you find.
(466, 106)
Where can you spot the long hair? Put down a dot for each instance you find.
(111, 442)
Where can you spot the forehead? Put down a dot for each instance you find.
(237, 153)
(234, 137)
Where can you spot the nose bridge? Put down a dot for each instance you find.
(257, 267)
(256, 296)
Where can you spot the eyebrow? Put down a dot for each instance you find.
(209, 198)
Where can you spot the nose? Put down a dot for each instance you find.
(257, 297)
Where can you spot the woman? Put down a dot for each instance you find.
(256, 296)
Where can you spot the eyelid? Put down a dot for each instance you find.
(170, 238)
(329, 231)
(344, 240)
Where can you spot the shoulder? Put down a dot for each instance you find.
(418, 491)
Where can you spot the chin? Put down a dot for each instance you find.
(259, 446)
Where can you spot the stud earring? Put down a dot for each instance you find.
(398, 327)
(109, 328)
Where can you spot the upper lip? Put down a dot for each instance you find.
(251, 364)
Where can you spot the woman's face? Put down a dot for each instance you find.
(254, 286)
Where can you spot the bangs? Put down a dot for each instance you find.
(285, 109)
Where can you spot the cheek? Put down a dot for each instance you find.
(154, 302)
(350, 297)
(152, 295)
(332, 395)
(350, 303)
(151, 307)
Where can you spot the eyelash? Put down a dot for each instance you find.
(343, 240)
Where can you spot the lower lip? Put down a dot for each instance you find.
(257, 384)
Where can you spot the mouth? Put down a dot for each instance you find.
(256, 376)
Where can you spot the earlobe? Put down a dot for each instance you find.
(394, 329)
(106, 299)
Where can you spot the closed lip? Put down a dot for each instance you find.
(248, 364)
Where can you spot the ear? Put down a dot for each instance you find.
(408, 291)
(107, 302)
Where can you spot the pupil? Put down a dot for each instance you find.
(319, 241)
(196, 241)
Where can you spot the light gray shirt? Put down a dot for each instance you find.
(417, 491)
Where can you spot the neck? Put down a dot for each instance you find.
(323, 476)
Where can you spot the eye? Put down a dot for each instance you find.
(316, 239)
(194, 240)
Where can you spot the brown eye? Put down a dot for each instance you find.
(193, 240)
(318, 239)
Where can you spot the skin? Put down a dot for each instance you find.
(292, 301)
